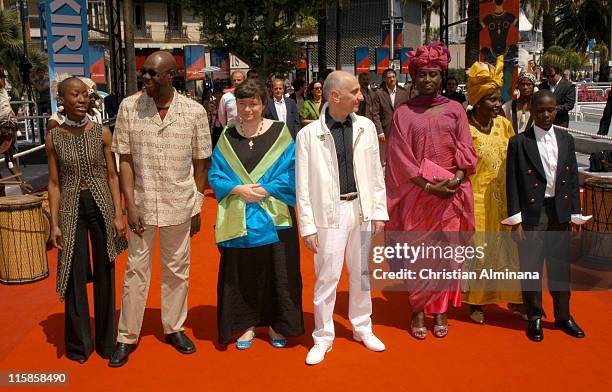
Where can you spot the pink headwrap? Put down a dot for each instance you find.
(433, 56)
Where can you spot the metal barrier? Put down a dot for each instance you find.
(26, 152)
(30, 124)
(590, 100)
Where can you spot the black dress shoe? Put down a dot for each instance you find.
(181, 342)
(570, 327)
(535, 331)
(79, 360)
(120, 355)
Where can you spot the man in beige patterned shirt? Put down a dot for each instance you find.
(163, 140)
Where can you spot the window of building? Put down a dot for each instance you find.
(139, 16)
(175, 17)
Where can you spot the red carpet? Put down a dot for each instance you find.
(472, 357)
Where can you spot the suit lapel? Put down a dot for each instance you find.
(387, 96)
(562, 151)
(273, 109)
(399, 97)
(531, 149)
(287, 109)
(560, 89)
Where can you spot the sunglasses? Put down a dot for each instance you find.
(151, 72)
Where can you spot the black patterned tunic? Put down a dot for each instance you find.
(81, 161)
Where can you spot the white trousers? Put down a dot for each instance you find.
(350, 240)
(174, 247)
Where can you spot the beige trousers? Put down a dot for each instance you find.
(174, 244)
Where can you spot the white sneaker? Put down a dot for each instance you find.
(371, 342)
(317, 354)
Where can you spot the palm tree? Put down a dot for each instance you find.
(130, 54)
(580, 21)
(472, 37)
(431, 6)
(11, 49)
(545, 10)
(564, 58)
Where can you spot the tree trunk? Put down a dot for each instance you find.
(322, 37)
(427, 25)
(604, 70)
(548, 30)
(338, 35)
(130, 53)
(549, 33)
(472, 38)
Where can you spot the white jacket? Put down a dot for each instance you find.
(317, 183)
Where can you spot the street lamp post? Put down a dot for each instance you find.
(306, 47)
(392, 33)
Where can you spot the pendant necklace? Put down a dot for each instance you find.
(259, 129)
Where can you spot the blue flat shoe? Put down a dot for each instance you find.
(244, 344)
(278, 343)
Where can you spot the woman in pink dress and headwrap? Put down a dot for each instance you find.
(430, 126)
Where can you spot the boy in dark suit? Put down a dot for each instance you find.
(543, 199)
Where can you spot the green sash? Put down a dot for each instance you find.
(231, 213)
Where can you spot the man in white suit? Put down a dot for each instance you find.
(341, 195)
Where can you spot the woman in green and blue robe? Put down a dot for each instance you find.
(259, 280)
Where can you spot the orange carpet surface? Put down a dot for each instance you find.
(472, 357)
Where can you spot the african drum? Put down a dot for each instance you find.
(597, 232)
(23, 234)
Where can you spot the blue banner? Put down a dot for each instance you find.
(362, 60)
(195, 61)
(97, 66)
(405, 60)
(382, 60)
(220, 58)
(67, 39)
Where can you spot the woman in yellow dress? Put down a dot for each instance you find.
(490, 135)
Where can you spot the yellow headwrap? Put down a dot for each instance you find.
(483, 79)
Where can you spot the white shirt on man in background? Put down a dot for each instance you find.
(281, 109)
(228, 112)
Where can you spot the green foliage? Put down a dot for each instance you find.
(431, 7)
(580, 21)
(459, 74)
(262, 32)
(11, 48)
(564, 58)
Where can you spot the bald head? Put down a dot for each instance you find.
(158, 72)
(342, 93)
(161, 59)
(337, 81)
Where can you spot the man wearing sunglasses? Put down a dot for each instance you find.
(564, 91)
(163, 140)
